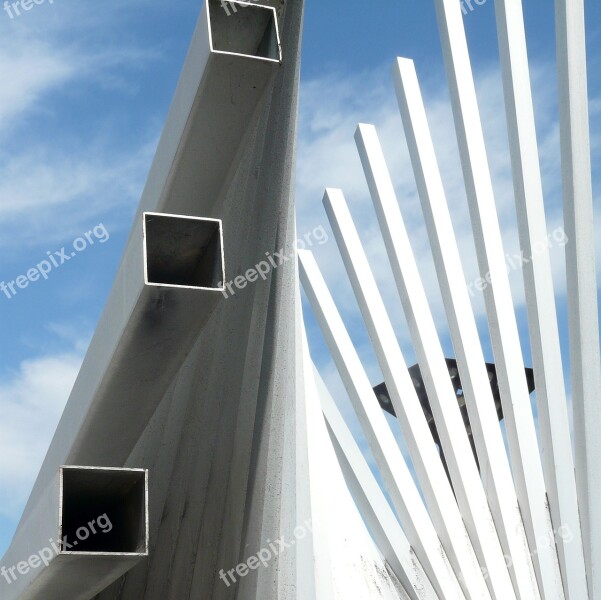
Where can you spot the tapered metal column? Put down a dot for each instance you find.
(171, 276)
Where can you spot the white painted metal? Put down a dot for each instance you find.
(398, 481)
(172, 187)
(583, 310)
(521, 432)
(347, 564)
(379, 517)
(464, 333)
(467, 484)
(317, 582)
(428, 466)
(554, 426)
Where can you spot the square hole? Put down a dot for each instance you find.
(183, 251)
(244, 28)
(104, 510)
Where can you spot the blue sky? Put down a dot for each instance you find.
(84, 94)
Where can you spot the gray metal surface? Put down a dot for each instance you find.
(221, 447)
(224, 124)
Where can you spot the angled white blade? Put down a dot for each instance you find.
(583, 311)
(464, 333)
(379, 517)
(346, 562)
(521, 432)
(426, 460)
(401, 488)
(556, 445)
(441, 393)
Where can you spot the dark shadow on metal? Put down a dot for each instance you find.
(104, 510)
(183, 251)
(383, 397)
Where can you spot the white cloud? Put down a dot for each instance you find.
(49, 190)
(48, 193)
(31, 402)
(35, 64)
(28, 72)
(49, 197)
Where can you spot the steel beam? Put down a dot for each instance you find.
(347, 562)
(230, 64)
(467, 484)
(379, 516)
(440, 500)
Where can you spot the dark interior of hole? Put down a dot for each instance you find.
(106, 508)
(249, 29)
(182, 251)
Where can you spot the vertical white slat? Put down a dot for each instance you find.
(315, 577)
(346, 562)
(554, 426)
(400, 486)
(379, 517)
(426, 460)
(521, 432)
(583, 310)
(441, 393)
(464, 333)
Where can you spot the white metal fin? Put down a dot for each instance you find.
(521, 432)
(554, 426)
(583, 310)
(398, 481)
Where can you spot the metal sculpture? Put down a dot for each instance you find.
(206, 429)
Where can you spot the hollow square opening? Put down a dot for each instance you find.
(183, 251)
(244, 28)
(103, 510)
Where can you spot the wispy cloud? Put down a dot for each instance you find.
(29, 71)
(59, 171)
(49, 196)
(31, 401)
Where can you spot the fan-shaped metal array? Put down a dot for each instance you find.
(524, 525)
